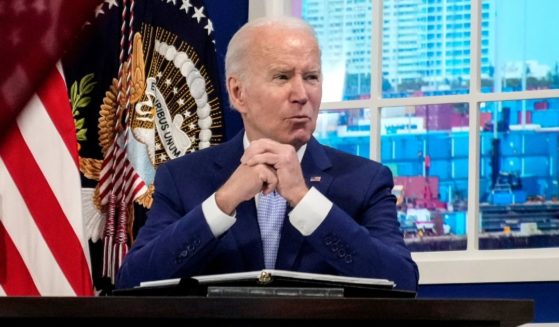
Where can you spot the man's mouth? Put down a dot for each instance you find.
(299, 119)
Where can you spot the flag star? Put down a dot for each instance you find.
(175, 90)
(168, 81)
(198, 13)
(192, 126)
(111, 3)
(99, 10)
(187, 114)
(39, 6)
(19, 6)
(162, 157)
(15, 37)
(209, 27)
(159, 74)
(173, 1)
(157, 146)
(186, 6)
(180, 102)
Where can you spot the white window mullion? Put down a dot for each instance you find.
(376, 80)
(473, 220)
(259, 8)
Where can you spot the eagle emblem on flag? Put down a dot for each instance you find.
(161, 102)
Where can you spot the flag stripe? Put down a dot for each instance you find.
(15, 280)
(49, 151)
(45, 210)
(135, 185)
(38, 258)
(58, 108)
(40, 156)
(58, 135)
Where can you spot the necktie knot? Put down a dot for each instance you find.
(271, 213)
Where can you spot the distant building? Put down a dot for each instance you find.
(424, 41)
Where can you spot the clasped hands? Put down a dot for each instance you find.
(266, 166)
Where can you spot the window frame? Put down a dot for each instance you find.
(448, 267)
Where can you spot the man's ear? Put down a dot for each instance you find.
(236, 93)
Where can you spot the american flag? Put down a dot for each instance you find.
(43, 249)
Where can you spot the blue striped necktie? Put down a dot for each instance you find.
(271, 213)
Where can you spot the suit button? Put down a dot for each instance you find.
(335, 246)
(348, 258)
(183, 254)
(342, 253)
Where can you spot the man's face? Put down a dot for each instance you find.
(280, 96)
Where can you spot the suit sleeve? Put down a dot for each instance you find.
(369, 243)
(173, 241)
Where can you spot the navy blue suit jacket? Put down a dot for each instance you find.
(359, 237)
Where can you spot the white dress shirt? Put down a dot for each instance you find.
(306, 216)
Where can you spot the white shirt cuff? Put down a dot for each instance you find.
(218, 221)
(310, 212)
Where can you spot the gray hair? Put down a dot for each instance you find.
(236, 58)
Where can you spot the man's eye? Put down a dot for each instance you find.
(281, 77)
(312, 77)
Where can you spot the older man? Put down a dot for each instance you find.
(272, 197)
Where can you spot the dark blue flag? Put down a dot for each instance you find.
(145, 88)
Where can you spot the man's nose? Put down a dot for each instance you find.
(298, 90)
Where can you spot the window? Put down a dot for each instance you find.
(518, 174)
(426, 147)
(458, 99)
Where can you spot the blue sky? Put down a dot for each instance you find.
(541, 25)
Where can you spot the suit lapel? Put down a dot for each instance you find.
(228, 159)
(247, 235)
(315, 163)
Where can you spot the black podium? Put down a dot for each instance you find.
(265, 311)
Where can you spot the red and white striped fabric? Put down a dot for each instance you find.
(43, 249)
(117, 166)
